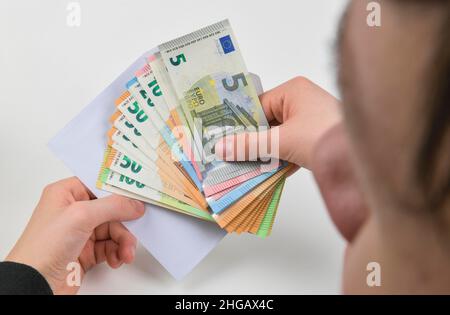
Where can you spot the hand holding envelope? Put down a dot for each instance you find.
(199, 82)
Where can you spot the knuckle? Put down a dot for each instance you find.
(61, 186)
(122, 202)
(300, 81)
(51, 189)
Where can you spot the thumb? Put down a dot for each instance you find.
(92, 213)
(250, 146)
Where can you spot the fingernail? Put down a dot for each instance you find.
(138, 205)
(133, 252)
(224, 148)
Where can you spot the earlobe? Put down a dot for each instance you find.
(336, 179)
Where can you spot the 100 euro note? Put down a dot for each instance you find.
(217, 96)
(113, 182)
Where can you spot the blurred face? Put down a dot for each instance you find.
(383, 74)
(383, 77)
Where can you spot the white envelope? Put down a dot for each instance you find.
(177, 241)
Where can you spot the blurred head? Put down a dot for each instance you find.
(395, 83)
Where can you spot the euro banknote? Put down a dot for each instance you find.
(192, 91)
(216, 94)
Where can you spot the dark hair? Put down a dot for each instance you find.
(433, 160)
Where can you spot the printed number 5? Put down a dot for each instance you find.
(178, 60)
(235, 84)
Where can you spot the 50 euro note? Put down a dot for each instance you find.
(118, 140)
(257, 217)
(120, 163)
(139, 117)
(217, 96)
(171, 177)
(127, 136)
(144, 104)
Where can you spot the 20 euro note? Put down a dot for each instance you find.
(216, 93)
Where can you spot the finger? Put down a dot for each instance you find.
(87, 215)
(105, 251)
(112, 256)
(65, 192)
(100, 251)
(78, 190)
(88, 257)
(275, 100)
(250, 146)
(118, 233)
(271, 103)
(126, 241)
(101, 232)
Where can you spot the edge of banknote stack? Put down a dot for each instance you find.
(192, 92)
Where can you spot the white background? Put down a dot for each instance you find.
(49, 72)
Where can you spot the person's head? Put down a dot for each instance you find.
(395, 83)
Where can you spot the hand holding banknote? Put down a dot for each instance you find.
(300, 112)
(188, 93)
(67, 226)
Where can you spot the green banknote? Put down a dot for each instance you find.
(216, 93)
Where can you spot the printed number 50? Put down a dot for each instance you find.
(236, 78)
(178, 60)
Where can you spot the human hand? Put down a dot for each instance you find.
(69, 226)
(300, 113)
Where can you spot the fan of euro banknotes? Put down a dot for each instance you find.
(193, 91)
